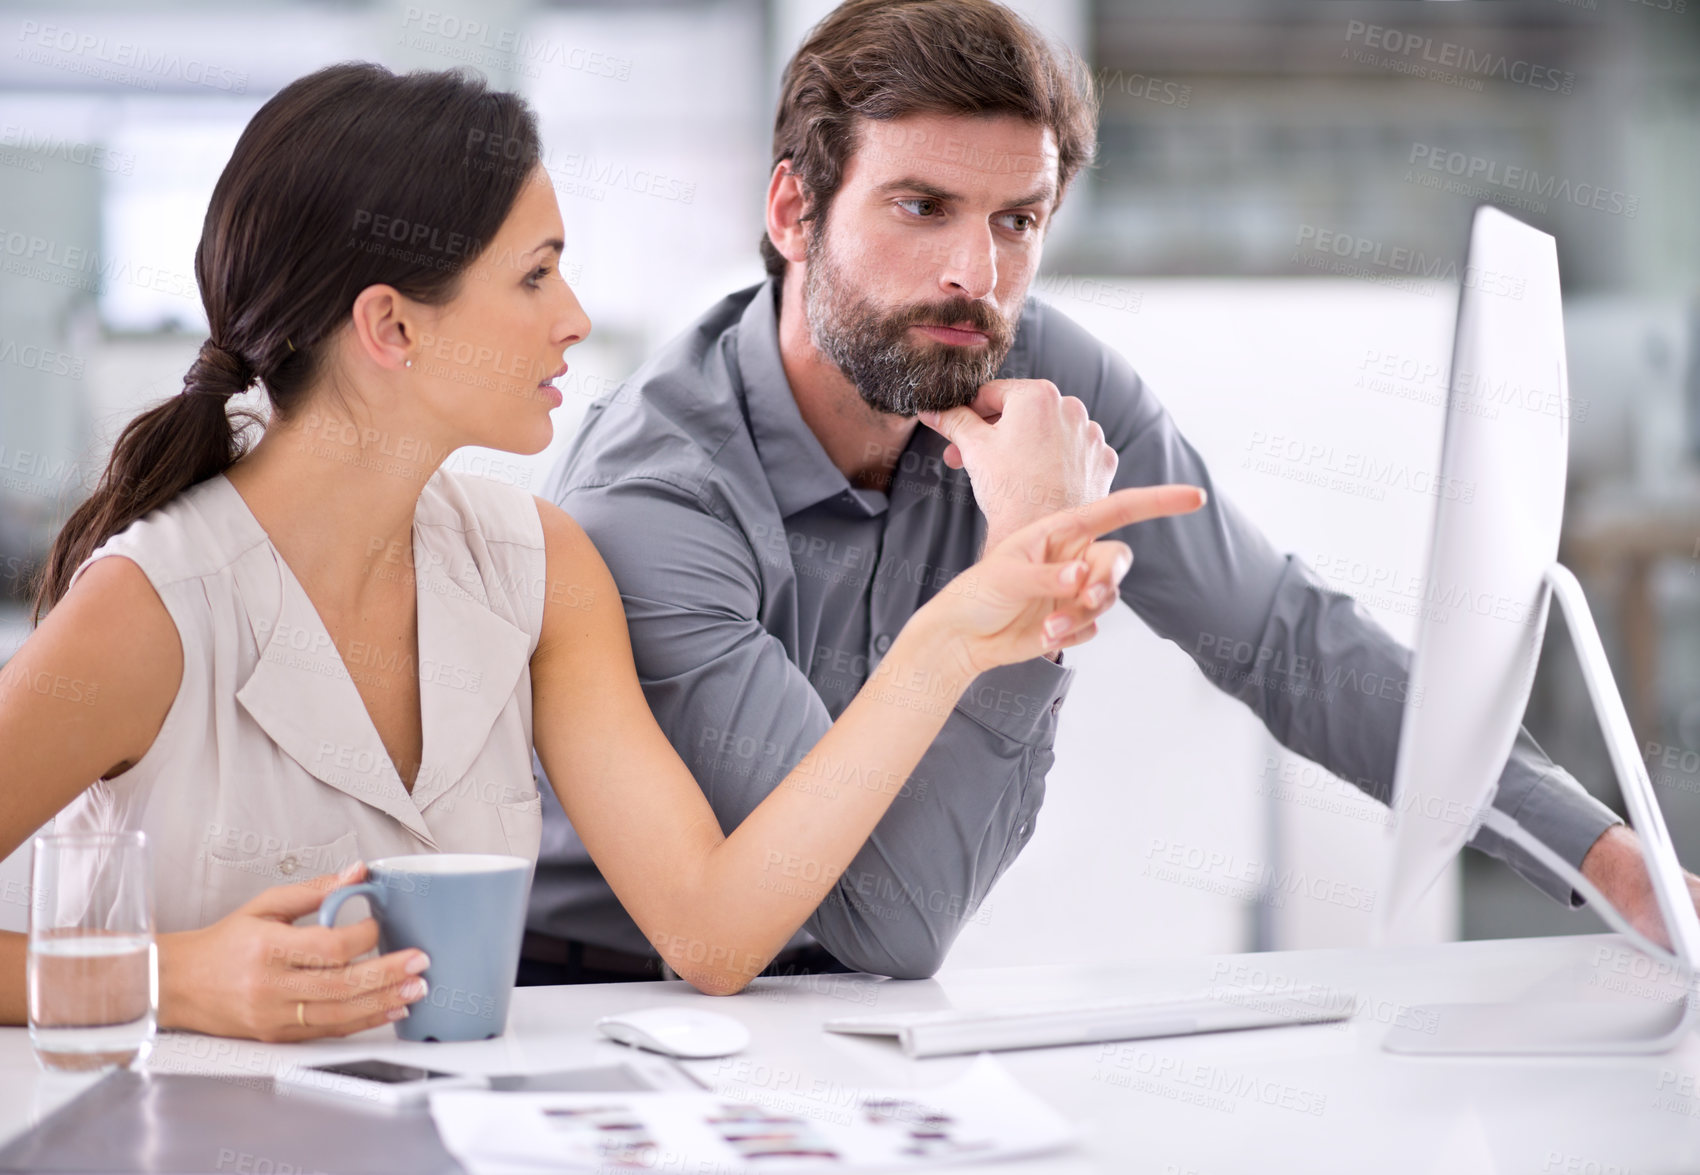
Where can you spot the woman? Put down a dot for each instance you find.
(325, 648)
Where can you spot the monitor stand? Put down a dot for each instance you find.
(1592, 1027)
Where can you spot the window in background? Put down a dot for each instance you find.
(151, 215)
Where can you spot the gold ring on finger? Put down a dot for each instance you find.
(301, 1012)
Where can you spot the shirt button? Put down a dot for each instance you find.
(882, 642)
(1022, 831)
(286, 866)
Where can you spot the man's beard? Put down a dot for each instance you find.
(873, 348)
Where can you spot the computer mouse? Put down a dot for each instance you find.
(677, 1032)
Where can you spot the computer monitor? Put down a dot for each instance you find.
(1492, 572)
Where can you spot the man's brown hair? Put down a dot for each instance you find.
(885, 59)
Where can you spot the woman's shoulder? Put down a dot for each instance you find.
(495, 510)
(197, 533)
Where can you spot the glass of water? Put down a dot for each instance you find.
(93, 969)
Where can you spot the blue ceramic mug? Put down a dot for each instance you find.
(464, 910)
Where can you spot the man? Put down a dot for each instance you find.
(773, 513)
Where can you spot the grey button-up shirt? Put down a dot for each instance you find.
(761, 587)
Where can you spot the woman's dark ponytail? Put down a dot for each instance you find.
(302, 219)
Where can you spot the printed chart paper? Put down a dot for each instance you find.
(982, 1115)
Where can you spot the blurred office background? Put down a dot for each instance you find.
(1272, 234)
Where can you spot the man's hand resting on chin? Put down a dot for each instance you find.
(1029, 451)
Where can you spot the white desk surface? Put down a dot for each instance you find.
(1313, 1098)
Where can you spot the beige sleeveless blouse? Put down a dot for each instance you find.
(268, 769)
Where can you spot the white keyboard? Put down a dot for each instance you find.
(972, 1030)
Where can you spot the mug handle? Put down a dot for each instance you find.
(374, 894)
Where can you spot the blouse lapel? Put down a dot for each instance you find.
(470, 660)
(301, 695)
(303, 698)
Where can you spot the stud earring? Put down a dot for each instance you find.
(409, 363)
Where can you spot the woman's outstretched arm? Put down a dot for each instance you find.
(718, 907)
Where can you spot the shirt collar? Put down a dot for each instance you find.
(798, 470)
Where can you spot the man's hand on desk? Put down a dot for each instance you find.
(1616, 865)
